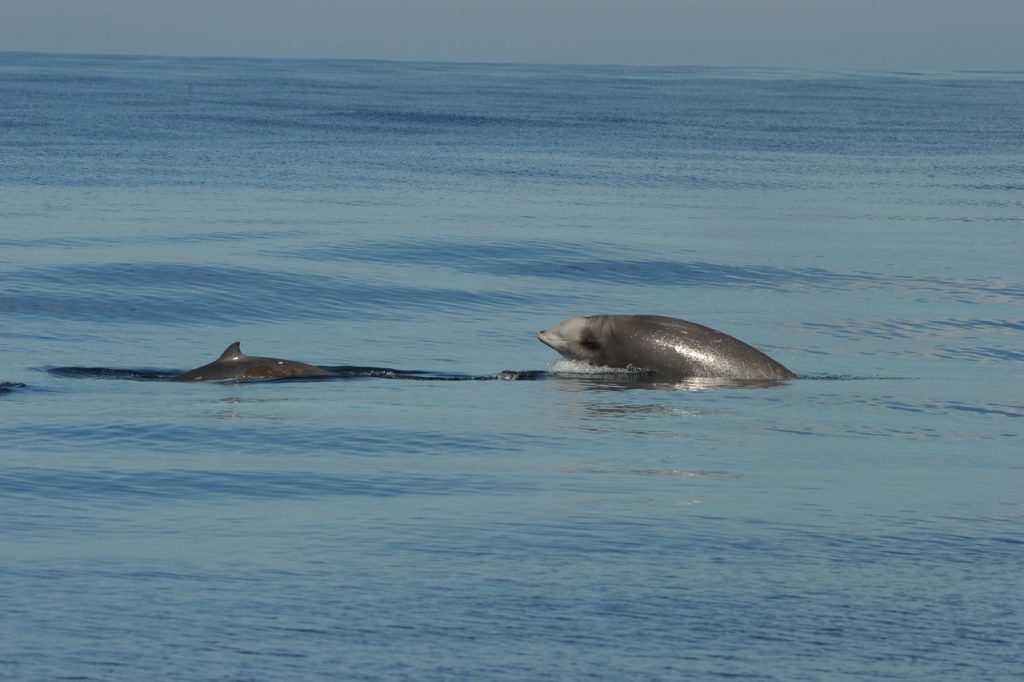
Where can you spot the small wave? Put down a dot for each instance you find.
(612, 263)
(403, 119)
(177, 293)
(555, 259)
(953, 407)
(242, 425)
(191, 484)
(671, 473)
(980, 353)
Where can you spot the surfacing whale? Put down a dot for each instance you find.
(663, 346)
(235, 365)
(9, 386)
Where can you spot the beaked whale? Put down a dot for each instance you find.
(235, 365)
(663, 346)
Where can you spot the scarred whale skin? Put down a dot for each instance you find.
(235, 365)
(664, 346)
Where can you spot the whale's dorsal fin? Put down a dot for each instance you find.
(233, 352)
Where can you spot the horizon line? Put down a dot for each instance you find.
(468, 62)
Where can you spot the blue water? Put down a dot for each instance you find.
(863, 522)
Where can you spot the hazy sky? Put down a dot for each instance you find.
(870, 34)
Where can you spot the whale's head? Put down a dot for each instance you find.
(578, 338)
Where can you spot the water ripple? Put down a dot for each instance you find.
(231, 428)
(571, 261)
(612, 263)
(952, 407)
(183, 484)
(947, 337)
(171, 293)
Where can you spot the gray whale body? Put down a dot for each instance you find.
(664, 346)
(235, 365)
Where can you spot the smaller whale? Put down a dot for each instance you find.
(663, 346)
(235, 365)
(9, 386)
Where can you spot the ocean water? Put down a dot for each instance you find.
(862, 522)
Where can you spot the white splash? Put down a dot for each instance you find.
(580, 367)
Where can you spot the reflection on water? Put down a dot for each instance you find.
(674, 473)
(575, 376)
(236, 404)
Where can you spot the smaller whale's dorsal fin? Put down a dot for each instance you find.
(233, 351)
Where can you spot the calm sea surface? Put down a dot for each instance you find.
(863, 522)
